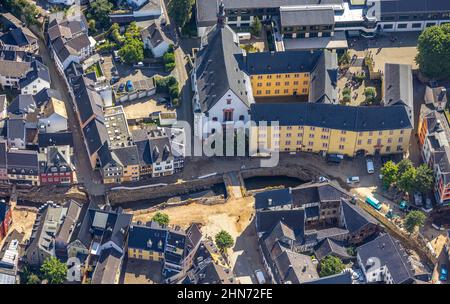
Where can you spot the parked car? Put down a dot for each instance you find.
(260, 276)
(428, 205)
(114, 80)
(370, 166)
(121, 87)
(160, 100)
(443, 273)
(353, 180)
(334, 158)
(418, 199)
(129, 86)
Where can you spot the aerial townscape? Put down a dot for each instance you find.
(224, 142)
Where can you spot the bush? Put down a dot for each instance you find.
(175, 102)
(174, 92)
(169, 67)
(169, 57)
(370, 93)
(346, 98)
(360, 77)
(346, 91)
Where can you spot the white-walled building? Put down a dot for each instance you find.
(154, 40)
(54, 117)
(222, 91)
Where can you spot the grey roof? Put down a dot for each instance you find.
(280, 62)
(323, 79)
(153, 33)
(338, 117)
(279, 197)
(71, 218)
(307, 16)
(152, 146)
(217, 68)
(55, 139)
(354, 217)
(95, 135)
(87, 100)
(148, 237)
(79, 42)
(207, 9)
(413, 6)
(398, 85)
(16, 128)
(108, 266)
(295, 267)
(329, 247)
(38, 71)
(316, 193)
(340, 278)
(3, 160)
(128, 156)
(22, 104)
(44, 95)
(294, 219)
(26, 160)
(389, 253)
(3, 102)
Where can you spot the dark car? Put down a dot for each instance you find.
(121, 87)
(114, 80)
(443, 273)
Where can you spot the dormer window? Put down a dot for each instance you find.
(149, 243)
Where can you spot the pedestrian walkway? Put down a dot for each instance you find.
(233, 185)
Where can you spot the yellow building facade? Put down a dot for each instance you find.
(284, 84)
(145, 254)
(284, 135)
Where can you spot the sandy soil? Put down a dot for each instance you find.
(234, 216)
(142, 108)
(23, 221)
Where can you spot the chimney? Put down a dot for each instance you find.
(290, 190)
(221, 15)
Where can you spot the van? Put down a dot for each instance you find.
(260, 277)
(369, 164)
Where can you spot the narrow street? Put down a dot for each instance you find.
(87, 177)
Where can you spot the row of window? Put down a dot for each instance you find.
(286, 83)
(371, 133)
(277, 91)
(279, 76)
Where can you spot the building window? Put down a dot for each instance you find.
(341, 147)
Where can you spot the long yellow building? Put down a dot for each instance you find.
(333, 129)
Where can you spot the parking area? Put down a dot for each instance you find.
(141, 272)
(143, 107)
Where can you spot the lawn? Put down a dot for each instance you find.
(95, 67)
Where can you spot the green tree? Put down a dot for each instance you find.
(224, 240)
(100, 10)
(256, 27)
(403, 166)
(414, 219)
(92, 25)
(424, 179)
(370, 93)
(433, 55)
(33, 279)
(161, 218)
(331, 265)
(390, 173)
(180, 11)
(407, 181)
(22, 9)
(54, 270)
(132, 51)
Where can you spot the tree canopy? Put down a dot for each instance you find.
(433, 55)
(54, 270)
(22, 9)
(256, 27)
(180, 11)
(224, 240)
(390, 173)
(100, 10)
(33, 279)
(414, 219)
(161, 218)
(424, 179)
(331, 265)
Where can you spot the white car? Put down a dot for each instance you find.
(353, 180)
(370, 166)
(260, 276)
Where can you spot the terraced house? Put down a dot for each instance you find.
(327, 128)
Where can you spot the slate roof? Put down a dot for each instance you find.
(340, 278)
(389, 253)
(87, 100)
(128, 156)
(217, 68)
(306, 16)
(207, 9)
(107, 267)
(279, 197)
(95, 135)
(317, 192)
(329, 247)
(3, 160)
(16, 128)
(14, 69)
(152, 146)
(55, 139)
(38, 71)
(338, 117)
(3, 102)
(22, 104)
(26, 160)
(295, 267)
(323, 79)
(398, 85)
(413, 6)
(354, 217)
(294, 219)
(44, 95)
(152, 237)
(153, 33)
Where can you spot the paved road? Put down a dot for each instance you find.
(85, 175)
